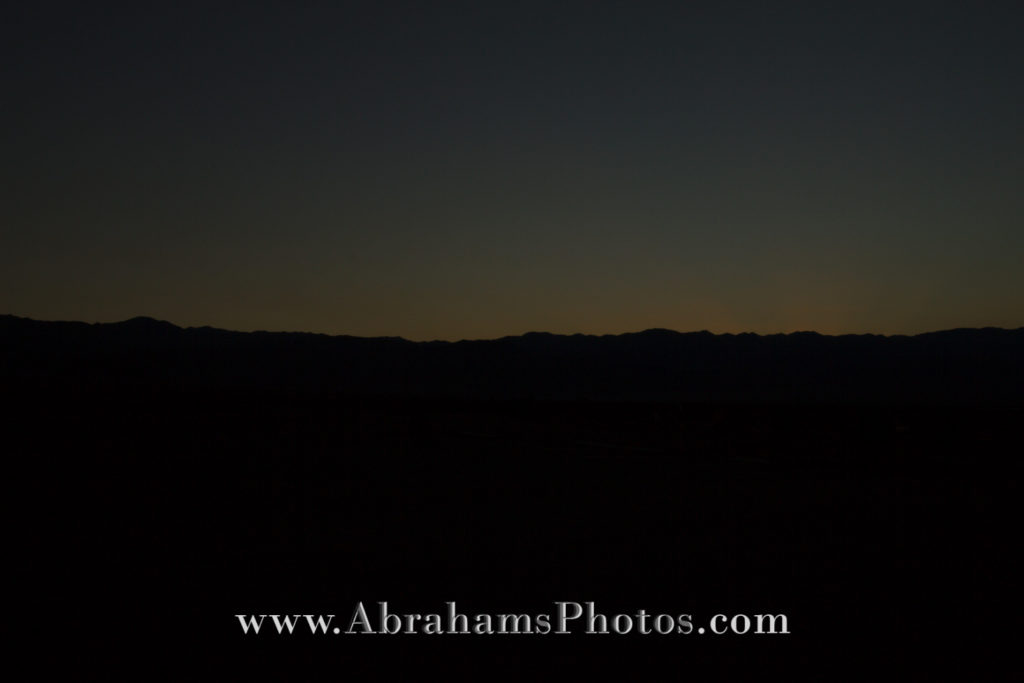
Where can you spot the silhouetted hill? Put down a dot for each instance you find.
(162, 480)
(963, 366)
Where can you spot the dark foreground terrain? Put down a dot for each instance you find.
(141, 517)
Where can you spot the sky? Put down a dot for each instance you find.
(473, 170)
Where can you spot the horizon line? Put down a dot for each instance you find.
(147, 318)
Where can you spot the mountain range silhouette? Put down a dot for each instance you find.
(164, 479)
(956, 367)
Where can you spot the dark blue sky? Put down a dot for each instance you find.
(451, 170)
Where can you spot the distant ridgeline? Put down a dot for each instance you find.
(959, 367)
